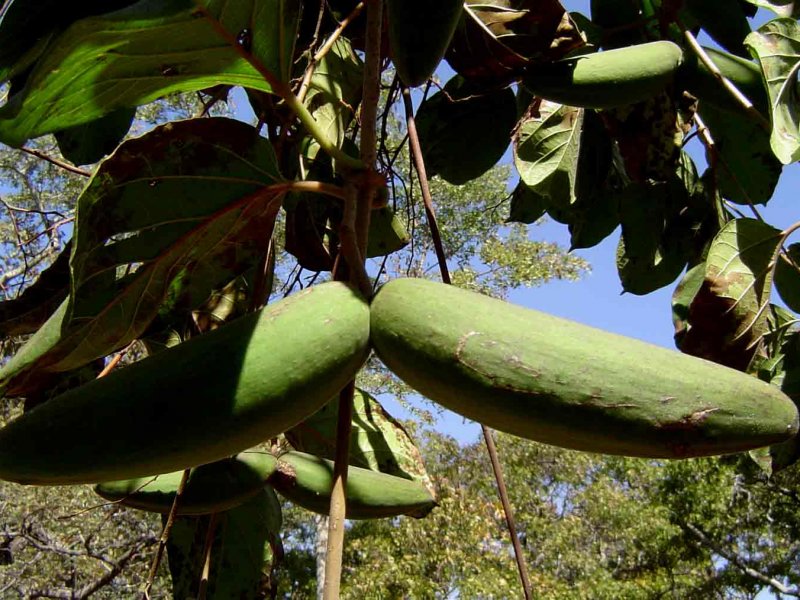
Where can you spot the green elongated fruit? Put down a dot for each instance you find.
(211, 488)
(607, 79)
(559, 382)
(307, 480)
(203, 400)
(419, 34)
(696, 78)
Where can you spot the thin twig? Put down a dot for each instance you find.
(336, 521)
(162, 541)
(419, 163)
(59, 163)
(727, 83)
(326, 47)
(209, 545)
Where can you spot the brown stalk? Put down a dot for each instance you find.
(366, 182)
(488, 436)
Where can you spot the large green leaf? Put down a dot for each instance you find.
(443, 119)
(27, 25)
(146, 51)
(776, 45)
(728, 315)
(334, 92)
(245, 546)
(165, 220)
(377, 441)
(723, 20)
(746, 168)
(546, 152)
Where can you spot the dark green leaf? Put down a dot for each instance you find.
(444, 117)
(526, 205)
(787, 277)
(245, 547)
(169, 217)
(747, 170)
(728, 316)
(88, 143)
(144, 52)
(724, 21)
(682, 299)
(776, 45)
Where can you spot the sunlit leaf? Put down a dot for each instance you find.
(782, 8)
(144, 52)
(546, 152)
(776, 45)
(728, 315)
(168, 218)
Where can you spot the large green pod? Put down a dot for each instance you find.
(419, 34)
(307, 480)
(567, 384)
(607, 79)
(211, 488)
(203, 400)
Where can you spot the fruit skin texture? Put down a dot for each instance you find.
(215, 487)
(419, 34)
(607, 79)
(307, 480)
(208, 398)
(562, 383)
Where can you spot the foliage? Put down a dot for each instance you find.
(199, 220)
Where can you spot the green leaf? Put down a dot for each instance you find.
(782, 8)
(377, 442)
(443, 118)
(245, 548)
(682, 298)
(334, 92)
(144, 52)
(546, 152)
(728, 316)
(776, 45)
(387, 233)
(747, 170)
(526, 205)
(165, 220)
(25, 24)
(787, 277)
(724, 21)
(88, 143)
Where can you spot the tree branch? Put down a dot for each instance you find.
(738, 562)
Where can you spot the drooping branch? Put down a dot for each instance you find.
(738, 562)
